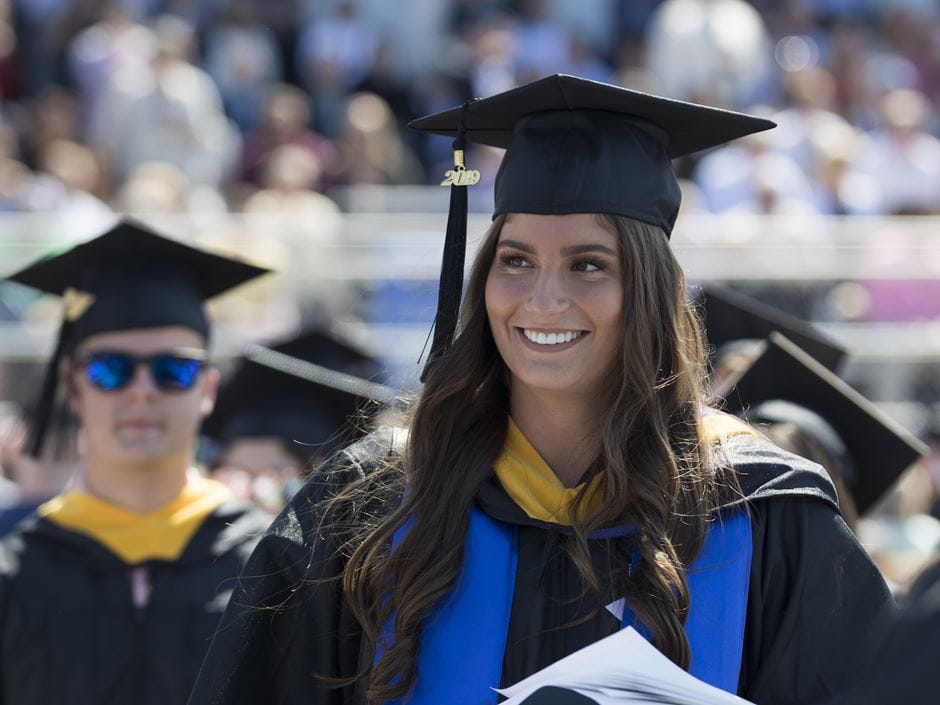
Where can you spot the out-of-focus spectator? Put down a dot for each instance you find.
(810, 93)
(112, 55)
(749, 176)
(466, 15)
(591, 21)
(903, 156)
(38, 29)
(177, 106)
(711, 51)
(335, 54)
(53, 115)
(9, 71)
(540, 43)
(583, 61)
(285, 120)
(388, 84)
(291, 178)
(14, 181)
(68, 183)
(492, 67)
(161, 187)
(372, 150)
(243, 58)
(840, 188)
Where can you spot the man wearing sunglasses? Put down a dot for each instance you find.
(112, 590)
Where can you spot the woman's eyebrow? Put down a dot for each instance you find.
(565, 251)
(579, 249)
(516, 245)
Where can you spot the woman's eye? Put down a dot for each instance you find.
(511, 260)
(588, 265)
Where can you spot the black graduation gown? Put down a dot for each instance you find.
(813, 591)
(903, 651)
(69, 630)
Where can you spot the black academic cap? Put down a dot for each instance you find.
(128, 278)
(131, 277)
(573, 146)
(257, 401)
(880, 449)
(731, 316)
(580, 146)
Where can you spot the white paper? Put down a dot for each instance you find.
(616, 608)
(622, 668)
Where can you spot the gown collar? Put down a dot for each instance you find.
(161, 534)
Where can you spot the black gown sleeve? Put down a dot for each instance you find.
(904, 651)
(286, 631)
(814, 594)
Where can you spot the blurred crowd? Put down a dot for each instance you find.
(252, 106)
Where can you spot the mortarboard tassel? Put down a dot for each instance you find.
(450, 288)
(75, 303)
(46, 406)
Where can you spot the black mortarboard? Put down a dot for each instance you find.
(130, 277)
(731, 316)
(573, 146)
(257, 401)
(879, 448)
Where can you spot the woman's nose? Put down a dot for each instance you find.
(548, 293)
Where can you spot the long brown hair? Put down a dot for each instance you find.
(656, 467)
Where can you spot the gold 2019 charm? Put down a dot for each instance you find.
(461, 176)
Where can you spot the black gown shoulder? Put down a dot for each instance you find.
(812, 592)
(287, 635)
(69, 627)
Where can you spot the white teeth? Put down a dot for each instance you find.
(550, 338)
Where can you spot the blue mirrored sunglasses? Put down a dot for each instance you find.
(111, 370)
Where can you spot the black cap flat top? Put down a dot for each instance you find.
(137, 278)
(133, 246)
(580, 146)
(689, 127)
(879, 447)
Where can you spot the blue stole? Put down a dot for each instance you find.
(461, 654)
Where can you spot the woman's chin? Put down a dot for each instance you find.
(556, 383)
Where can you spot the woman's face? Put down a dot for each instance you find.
(554, 297)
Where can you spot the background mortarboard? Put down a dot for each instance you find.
(880, 449)
(128, 278)
(574, 146)
(257, 401)
(731, 316)
(138, 278)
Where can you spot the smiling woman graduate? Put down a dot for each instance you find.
(561, 475)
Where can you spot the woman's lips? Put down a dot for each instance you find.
(547, 334)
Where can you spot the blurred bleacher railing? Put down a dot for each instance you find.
(373, 272)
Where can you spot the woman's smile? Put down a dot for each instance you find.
(550, 339)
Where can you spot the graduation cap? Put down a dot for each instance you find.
(258, 401)
(573, 146)
(731, 316)
(128, 278)
(785, 384)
